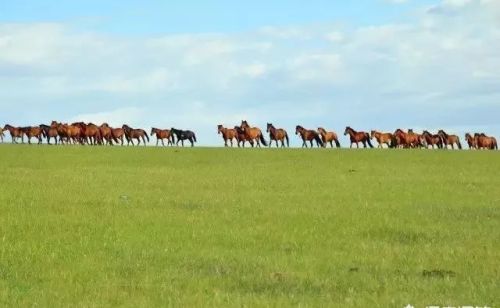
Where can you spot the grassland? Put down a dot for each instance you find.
(93, 226)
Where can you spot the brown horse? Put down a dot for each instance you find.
(308, 135)
(277, 134)
(135, 133)
(106, 133)
(382, 138)
(449, 140)
(228, 134)
(253, 133)
(163, 134)
(406, 140)
(432, 141)
(15, 132)
(49, 132)
(357, 137)
(486, 143)
(241, 137)
(471, 141)
(328, 137)
(33, 131)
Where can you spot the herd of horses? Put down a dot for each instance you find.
(91, 134)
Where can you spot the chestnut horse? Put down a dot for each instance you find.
(253, 133)
(228, 134)
(117, 134)
(49, 132)
(162, 134)
(406, 140)
(449, 140)
(135, 133)
(33, 131)
(106, 133)
(277, 134)
(471, 141)
(328, 137)
(432, 140)
(15, 132)
(485, 142)
(241, 137)
(357, 137)
(308, 135)
(382, 138)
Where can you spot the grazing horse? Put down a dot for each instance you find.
(49, 132)
(15, 132)
(486, 143)
(184, 135)
(277, 134)
(253, 133)
(357, 137)
(135, 133)
(228, 134)
(432, 140)
(328, 137)
(241, 137)
(449, 140)
(471, 141)
(382, 138)
(33, 131)
(163, 134)
(308, 135)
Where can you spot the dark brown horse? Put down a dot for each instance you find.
(485, 143)
(228, 134)
(432, 141)
(382, 138)
(241, 137)
(163, 134)
(328, 137)
(449, 140)
(253, 133)
(277, 134)
(135, 133)
(357, 137)
(471, 141)
(15, 132)
(308, 135)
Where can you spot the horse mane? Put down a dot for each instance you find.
(443, 133)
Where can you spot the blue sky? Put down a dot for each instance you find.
(378, 64)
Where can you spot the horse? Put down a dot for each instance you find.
(328, 137)
(33, 131)
(163, 134)
(228, 134)
(15, 132)
(1, 134)
(277, 134)
(135, 133)
(382, 138)
(449, 140)
(432, 140)
(184, 135)
(117, 134)
(357, 137)
(49, 132)
(106, 133)
(485, 142)
(241, 137)
(471, 141)
(406, 140)
(253, 133)
(308, 135)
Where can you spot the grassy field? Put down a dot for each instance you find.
(101, 226)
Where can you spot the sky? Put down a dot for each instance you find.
(369, 64)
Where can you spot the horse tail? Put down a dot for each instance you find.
(264, 142)
(368, 140)
(287, 140)
(318, 140)
(194, 137)
(459, 144)
(147, 137)
(337, 143)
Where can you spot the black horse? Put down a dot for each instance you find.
(184, 135)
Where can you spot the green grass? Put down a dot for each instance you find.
(102, 226)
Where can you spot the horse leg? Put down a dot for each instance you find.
(192, 142)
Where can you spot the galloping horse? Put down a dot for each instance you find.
(308, 135)
(15, 132)
(471, 141)
(432, 140)
(405, 140)
(382, 138)
(241, 137)
(253, 133)
(485, 142)
(33, 131)
(228, 134)
(449, 140)
(49, 132)
(135, 133)
(163, 134)
(184, 135)
(277, 134)
(357, 137)
(328, 137)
